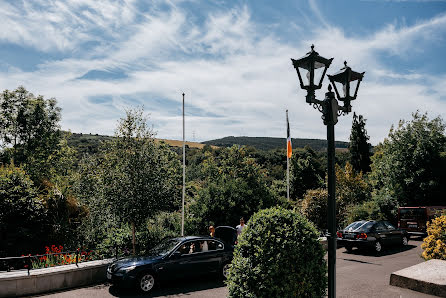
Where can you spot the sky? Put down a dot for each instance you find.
(230, 58)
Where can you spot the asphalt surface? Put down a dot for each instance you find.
(359, 274)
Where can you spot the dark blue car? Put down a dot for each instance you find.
(176, 258)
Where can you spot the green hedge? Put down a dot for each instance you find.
(278, 255)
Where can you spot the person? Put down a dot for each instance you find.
(204, 246)
(212, 231)
(241, 226)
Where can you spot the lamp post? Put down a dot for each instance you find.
(315, 67)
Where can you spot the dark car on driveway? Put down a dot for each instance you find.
(371, 234)
(174, 258)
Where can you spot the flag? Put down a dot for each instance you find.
(289, 149)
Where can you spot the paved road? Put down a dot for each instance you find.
(359, 274)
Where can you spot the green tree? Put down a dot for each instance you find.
(135, 177)
(278, 255)
(306, 172)
(408, 163)
(22, 216)
(233, 185)
(359, 146)
(30, 134)
(351, 189)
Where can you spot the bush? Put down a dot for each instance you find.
(434, 244)
(382, 206)
(278, 255)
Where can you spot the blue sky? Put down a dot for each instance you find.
(231, 58)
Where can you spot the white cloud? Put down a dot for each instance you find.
(237, 80)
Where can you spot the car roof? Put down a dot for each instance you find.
(194, 238)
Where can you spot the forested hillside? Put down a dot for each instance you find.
(268, 143)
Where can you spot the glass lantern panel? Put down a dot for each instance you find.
(353, 85)
(305, 74)
(318, 72)
(341, 89)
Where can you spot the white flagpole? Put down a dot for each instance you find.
(287, 162)
(184, 175)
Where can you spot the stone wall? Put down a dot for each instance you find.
(19, 283)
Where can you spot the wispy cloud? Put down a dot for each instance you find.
(238, 79)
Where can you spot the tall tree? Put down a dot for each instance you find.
(30, 134)
(409, 162)
(134, 178)
(307, 172)
(359, 146)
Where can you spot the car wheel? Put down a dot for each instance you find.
(378, 247)
(225, 270)
(349, 248)
(405, 240)
(146, 282)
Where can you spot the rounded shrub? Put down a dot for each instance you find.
(278, 255)
(434, 244)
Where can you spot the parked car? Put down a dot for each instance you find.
(175, 258)
(371, 234)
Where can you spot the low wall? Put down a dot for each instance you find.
(19, 283)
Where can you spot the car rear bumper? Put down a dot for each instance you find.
(359, 243)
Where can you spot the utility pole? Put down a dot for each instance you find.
(184, 174)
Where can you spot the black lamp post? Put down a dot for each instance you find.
(316, 66)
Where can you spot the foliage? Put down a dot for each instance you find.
(233, 186)
(359, 146)
(408, 162)
(22, 216)
(278, 255)
(351, 189)
(314, 207)
(162, 225)
(434, 244)
(132, 180)
(30, 133)
(382, 206)
(306, 172)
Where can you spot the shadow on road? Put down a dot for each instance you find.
(175, 287)
(385, 252)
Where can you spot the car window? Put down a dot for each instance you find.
(356, 225)
(215, 245)
(379, 227)
(164, 247)
(389, 226)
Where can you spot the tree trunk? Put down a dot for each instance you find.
(133, 239)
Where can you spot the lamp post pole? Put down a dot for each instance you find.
(310, 63)
(184, 175)
(331, 212)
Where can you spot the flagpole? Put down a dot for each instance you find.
(287, 164)
(184, 175)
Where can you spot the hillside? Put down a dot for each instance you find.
(268, 143)
(90, 143)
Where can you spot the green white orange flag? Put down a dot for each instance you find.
(289, 149)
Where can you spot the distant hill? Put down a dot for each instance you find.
(268, 143)
(90, 143)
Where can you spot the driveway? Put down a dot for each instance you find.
(359, 274)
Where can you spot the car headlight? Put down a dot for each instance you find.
(126, 269)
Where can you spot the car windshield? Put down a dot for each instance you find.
(363, 225)
(164, 247)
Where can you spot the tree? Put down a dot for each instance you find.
(306, 172)
(408, 163)
(233, 186)
(278, 255)
(22, 216)
(30, 134)
(359, 146)
(135, 177)
(351, 189)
